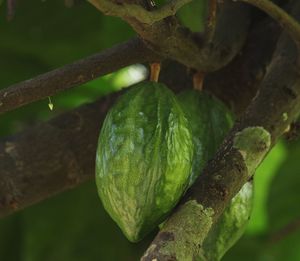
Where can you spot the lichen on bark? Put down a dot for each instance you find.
(252, 143)
(187, 225)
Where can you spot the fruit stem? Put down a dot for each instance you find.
(154, 71)
(198, 80)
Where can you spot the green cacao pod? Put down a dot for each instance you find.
(231, 225)
(210, 121)
(144, 158)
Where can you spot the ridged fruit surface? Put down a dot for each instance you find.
(144, 158)
(210, 121)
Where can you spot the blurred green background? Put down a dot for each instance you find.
(73, 225)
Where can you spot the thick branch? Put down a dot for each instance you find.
(50, 157)
(274, 108)
(237, 83)
(71, 75)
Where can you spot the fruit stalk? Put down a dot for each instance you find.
(154, 71)
(198, 80)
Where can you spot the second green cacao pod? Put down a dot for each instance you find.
(144, 158)
(230, 226)
(210, 121)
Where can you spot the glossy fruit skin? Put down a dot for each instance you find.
(210, 121)
(144, 158)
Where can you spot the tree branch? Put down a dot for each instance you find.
(237, 83)
(34, 167)
(243, 150)
(171, 40)
(71, 75)
(50, 157)
(217, 53)
(138, 12)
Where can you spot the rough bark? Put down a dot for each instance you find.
(50, 157)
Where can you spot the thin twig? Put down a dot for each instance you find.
(211, 20)
(284, 232)
(71, 75)
(184, 50)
